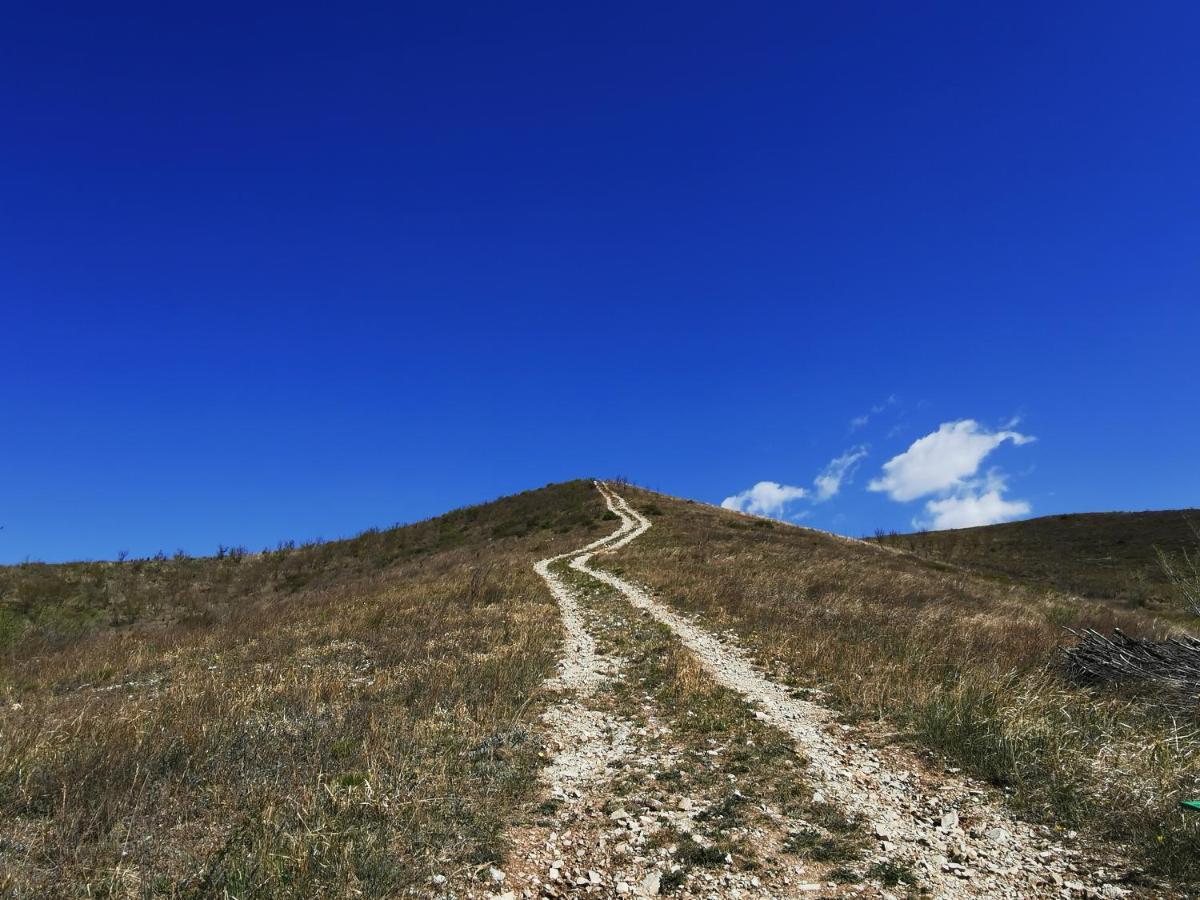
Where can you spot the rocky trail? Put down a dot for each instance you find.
(679, 768)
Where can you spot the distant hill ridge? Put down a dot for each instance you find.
(1104, 555)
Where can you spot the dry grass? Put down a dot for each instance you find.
(745, 775)
(353, 736)
(963, 664)
(53, 605)
(351, 718)
(1103, 556)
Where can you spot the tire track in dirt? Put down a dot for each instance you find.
(613, 745)
(588, 740)
(960, 842)
(570, 851)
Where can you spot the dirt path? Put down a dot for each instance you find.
(618, 818)
(589, 740)
(618, 822)
(959, 840)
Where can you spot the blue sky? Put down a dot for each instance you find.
(289, 272)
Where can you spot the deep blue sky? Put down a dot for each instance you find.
(271, 272)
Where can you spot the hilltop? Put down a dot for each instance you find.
(577, 689)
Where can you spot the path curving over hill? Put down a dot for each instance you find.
(944, 832)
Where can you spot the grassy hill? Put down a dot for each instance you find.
(311, 721)
(347, 718)
(958, 663)
(1108, 556)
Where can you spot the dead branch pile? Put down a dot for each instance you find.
(1172, 667)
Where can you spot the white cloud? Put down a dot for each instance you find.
(767, 498)
(944, 465)
(829, 482)
(968, 508)
(942, 461)
(770, 498)
(860, 421)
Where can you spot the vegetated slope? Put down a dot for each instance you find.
(960, 664)
(341, 719)
(364, 717)
(56, 603)
(1108, 556)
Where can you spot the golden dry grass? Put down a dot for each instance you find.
(962, 664)
(1106, 556)
(347, 739)
(352, 718)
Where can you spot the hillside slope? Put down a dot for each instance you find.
(423, 712)
(332, 720)
(1106, 556)
(960, 664)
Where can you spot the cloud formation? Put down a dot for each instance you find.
(861, 421)
(941, 461)
(967, 509)
(944, 465)
(767, 498)
(770, 498)
(829, 482)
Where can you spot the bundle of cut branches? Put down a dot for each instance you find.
(1172, 667)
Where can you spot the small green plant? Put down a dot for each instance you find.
(816, 846)
(692, 853)
(844, 875)
(673, 881)
(890, 873)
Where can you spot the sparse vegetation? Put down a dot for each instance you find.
(1166, 670)
(891, 873)
(1102, 556)
(49, 606)
(964, 664)
(733, 764)
(347, 718)
(1183, 571)
(357, 716)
